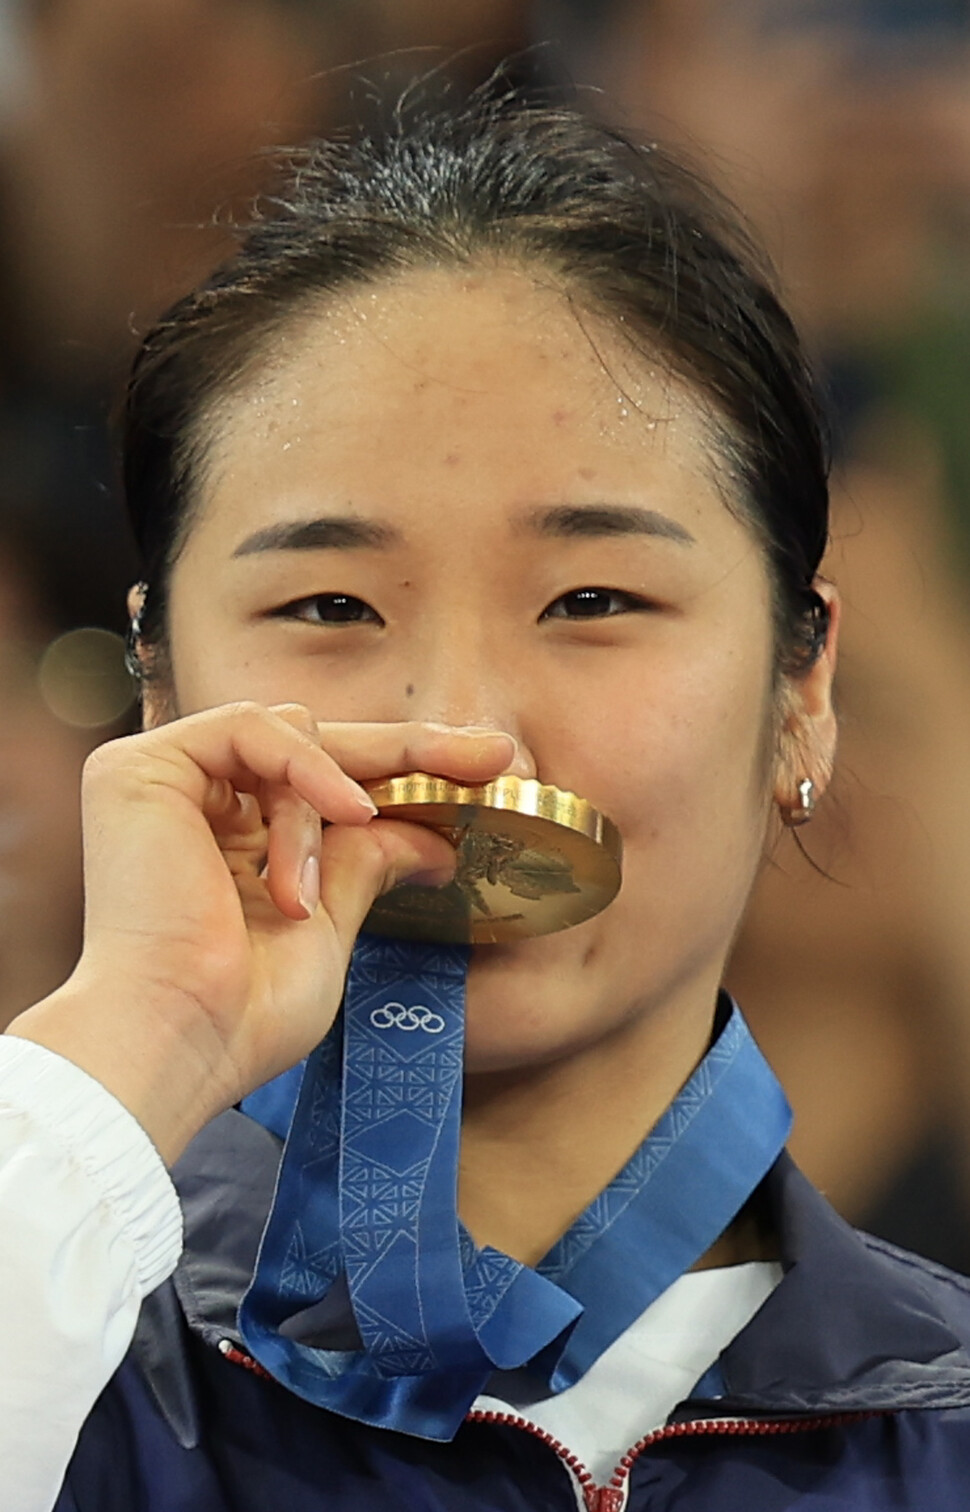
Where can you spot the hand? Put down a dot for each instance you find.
(220, 915)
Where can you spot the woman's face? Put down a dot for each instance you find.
(450, 498)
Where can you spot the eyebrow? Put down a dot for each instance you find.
(328, 533)
(592, 520)
(348, 532)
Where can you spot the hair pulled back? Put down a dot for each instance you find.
(631, 234)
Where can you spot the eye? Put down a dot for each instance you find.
(329, 609)
(594, 603)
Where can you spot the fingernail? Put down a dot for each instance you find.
(363, 797)
(310, 884)
(481, 732)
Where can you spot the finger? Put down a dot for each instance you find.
(468, 755)
(292, 853)
(252, 748)
(357, 865)
(236, 821)
(294, 831)
(240, 831)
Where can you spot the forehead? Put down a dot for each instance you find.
(488, 389)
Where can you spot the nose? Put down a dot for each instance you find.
(463, 681)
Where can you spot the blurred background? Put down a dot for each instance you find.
(133, 132)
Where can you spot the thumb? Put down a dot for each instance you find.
(359, 863)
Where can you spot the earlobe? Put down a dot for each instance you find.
(809, 730)
(155, 710)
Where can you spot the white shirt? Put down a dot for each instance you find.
(90, 1224)
(635, 1384)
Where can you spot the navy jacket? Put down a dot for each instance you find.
(849, 1389)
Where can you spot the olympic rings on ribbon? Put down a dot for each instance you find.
(397, 1016)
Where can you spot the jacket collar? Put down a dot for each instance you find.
(853, 1326)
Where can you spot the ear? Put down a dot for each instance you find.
(155, 697)
(806, 745)
(136, 602)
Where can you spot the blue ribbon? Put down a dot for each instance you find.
(370, 1298)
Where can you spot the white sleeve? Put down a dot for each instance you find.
(89, 1225)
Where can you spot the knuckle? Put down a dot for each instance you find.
(120, 768)
(363, 849)
(299, 716)
(243, 710)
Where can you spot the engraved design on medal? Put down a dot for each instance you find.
(485, 856)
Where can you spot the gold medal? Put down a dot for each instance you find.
(531, 860)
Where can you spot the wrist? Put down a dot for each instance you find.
(160, 1060)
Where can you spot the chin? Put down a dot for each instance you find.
(492, 1050)
(530, 1003)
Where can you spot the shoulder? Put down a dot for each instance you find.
(948, 1291)
(854, 1325)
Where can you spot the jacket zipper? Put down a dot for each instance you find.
(236, 1356)
(613, 1496)
(580, 1475)
(583, 1479)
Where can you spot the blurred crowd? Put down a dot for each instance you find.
(133, 134)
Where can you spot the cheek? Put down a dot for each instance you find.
(687, 746)
(208, 666)
(692, 803)
(193, 640)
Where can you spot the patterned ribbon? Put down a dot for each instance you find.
(369, 1298)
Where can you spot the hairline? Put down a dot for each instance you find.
(194, 456)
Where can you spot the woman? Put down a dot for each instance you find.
(491, 453)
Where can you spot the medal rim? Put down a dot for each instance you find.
(449, 807)
(518, 795)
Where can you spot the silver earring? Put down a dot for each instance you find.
(801, 812)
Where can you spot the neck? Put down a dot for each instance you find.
(750, 1237)
(540, 1143)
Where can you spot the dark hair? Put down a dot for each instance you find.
(63, 532)
(631, 233)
